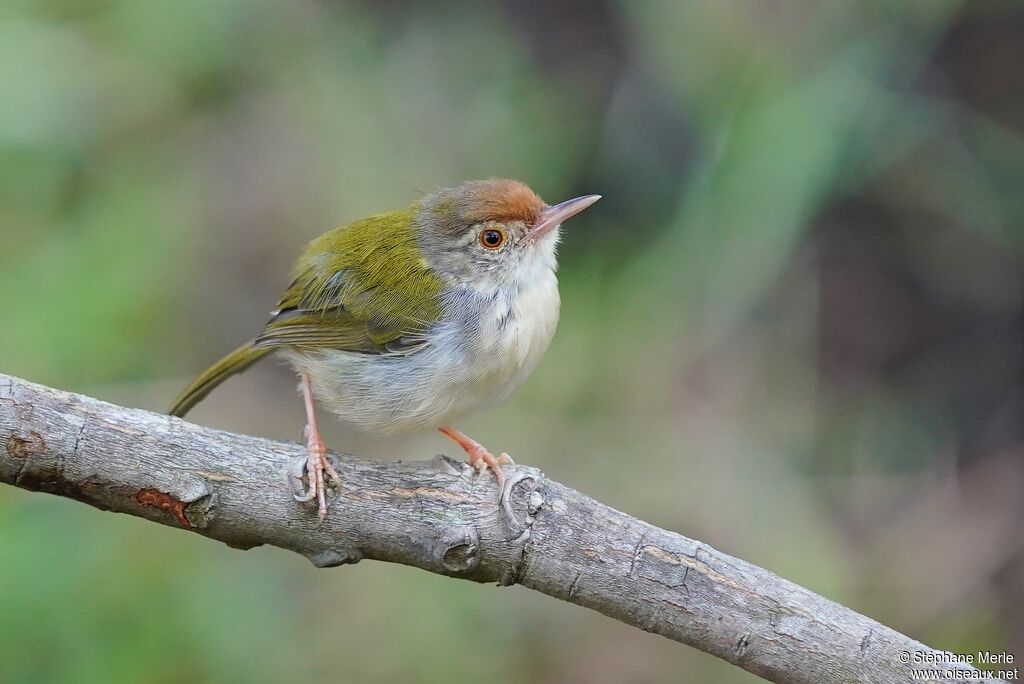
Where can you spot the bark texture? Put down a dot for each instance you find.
(437, 516)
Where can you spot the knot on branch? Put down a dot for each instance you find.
(458, 549)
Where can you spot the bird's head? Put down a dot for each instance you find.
(492, 231)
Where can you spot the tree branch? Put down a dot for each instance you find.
(435, 515)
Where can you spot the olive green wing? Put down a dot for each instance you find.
(363, 288)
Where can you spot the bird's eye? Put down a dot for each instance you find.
(492, 238)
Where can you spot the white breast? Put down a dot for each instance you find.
(514, 336)
(490, 340)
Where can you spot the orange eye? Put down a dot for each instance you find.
(492, 238)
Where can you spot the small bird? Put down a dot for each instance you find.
(411, 319)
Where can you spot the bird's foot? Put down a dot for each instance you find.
(318, 470)
(480, 458)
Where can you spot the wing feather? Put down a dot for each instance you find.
(360, 288)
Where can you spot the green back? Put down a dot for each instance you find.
(361, 287)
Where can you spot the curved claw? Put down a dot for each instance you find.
(304, 497)
(482, 460)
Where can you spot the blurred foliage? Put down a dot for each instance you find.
(793, 327)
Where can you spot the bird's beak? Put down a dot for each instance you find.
(552, 217)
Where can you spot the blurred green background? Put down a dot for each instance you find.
(793, 328)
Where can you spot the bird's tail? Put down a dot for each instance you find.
(235, 362)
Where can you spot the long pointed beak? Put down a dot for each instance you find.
(552, 217)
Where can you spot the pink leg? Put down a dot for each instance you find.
(317, 464)
(479, 457)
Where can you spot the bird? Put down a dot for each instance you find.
(415, 318)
